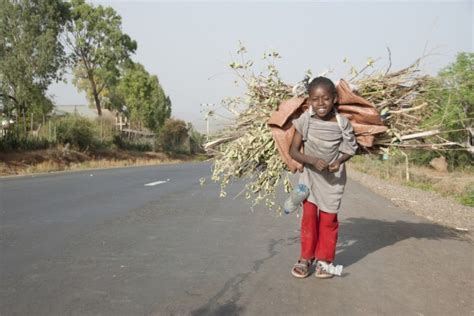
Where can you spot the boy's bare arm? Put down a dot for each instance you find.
(337, 163)
(344, 157)
(302, 158)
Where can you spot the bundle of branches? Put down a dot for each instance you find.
(246, 149)
(397, 97)
(405, 101)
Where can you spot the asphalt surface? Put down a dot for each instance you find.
(104, 243)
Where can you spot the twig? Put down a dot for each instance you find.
(430, 133)
(424, 146)
(390, 60)
(363, 69)
(408, 109)
(420, 135)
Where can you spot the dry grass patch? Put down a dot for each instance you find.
(60, 159)
(458, 184)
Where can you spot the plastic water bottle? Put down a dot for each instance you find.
(297, 196)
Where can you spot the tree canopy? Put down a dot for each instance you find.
(452, 97)
(31, 55)
(143, 97)
(99, 48)
(458, 77)
(175, 132)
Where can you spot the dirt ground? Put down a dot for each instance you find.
(443, 209)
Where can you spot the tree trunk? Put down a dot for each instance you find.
(95, 93)
(97, 103)
(24, 121)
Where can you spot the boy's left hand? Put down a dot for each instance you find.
(334, 167)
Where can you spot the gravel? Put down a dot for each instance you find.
(438, 209)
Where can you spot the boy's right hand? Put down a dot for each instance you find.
(319, 164)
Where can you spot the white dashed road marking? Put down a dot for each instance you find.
(156, 183)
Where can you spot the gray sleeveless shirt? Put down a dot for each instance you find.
(326, 140)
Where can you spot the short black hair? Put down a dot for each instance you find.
(322, 81)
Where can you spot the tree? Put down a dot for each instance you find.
(458, 79)
(452, 95)
(143, 96)
(31, 55)
(196, 140)
(99, 48)
(173, 135)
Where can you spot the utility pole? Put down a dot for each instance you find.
(207, 117)
(207, 127)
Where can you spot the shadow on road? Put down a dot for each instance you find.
(231, 291)
(360, 237)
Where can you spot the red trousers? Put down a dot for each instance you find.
(318, 233)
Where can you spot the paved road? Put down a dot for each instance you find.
(103, 243)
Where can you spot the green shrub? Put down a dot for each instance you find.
(467, 198)
(75, 130)
(173, 135)
(131, 145)
(456, 158)
(451, 95)
(196, 141)
(14, 141)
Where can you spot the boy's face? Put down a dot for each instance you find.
(322, 101)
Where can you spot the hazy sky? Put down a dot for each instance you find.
(190, 44)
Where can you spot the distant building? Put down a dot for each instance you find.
(82, 110)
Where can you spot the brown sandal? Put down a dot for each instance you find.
(300, 269)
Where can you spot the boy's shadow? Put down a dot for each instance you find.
(361, 236)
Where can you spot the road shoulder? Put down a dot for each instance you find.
(438, 209)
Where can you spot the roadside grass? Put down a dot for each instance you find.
(51, 166)
(419, 185)
(467, 198)
(458, 184)
(58, 159)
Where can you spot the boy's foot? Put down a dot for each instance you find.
(321, 271)
(301, 269)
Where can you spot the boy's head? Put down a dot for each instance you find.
(322, 96)
(323, 82)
